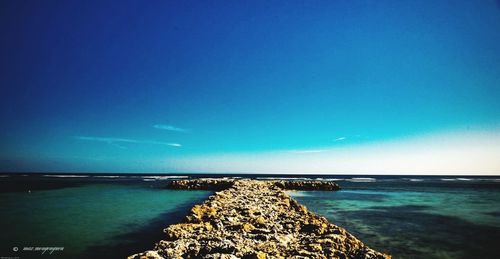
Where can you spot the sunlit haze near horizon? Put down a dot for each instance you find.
(298, 87)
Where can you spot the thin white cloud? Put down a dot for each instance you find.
(117, 141)
(459, 152)
(169, 128)
(307, 151)
(340, 139)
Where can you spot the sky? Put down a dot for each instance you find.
(333, 87)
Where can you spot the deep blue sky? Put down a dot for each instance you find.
(83, 83)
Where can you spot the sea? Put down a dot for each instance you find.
(113, 216)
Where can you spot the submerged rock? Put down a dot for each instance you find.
(256, 219)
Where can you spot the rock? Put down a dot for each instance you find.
(256, 219)
(201, 184)
(247, 227)
(220, 256)
(203, 212)
(146, 255)
(315, 247)
(307, 185)
(260, 221)
(256, 255)
(225, 183)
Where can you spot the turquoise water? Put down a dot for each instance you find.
(95, 217)
(432, 218)
(89, 220)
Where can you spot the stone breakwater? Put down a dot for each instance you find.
(221, 184)
(256, 219)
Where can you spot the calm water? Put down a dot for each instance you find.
(98, 217)
(417, 218)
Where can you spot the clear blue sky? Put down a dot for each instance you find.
(130, 86)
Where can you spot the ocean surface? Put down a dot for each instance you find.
(90, 217)
(417, 217)
(113, 216)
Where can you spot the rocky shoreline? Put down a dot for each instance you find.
(217, 184)
(255, 219)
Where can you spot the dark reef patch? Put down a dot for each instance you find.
(493, 213)
(140, 239)
(440, 235)
(343, 195)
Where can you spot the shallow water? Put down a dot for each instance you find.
(432, 218)
(115, 216)
(107, 219)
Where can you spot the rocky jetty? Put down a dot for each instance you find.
(306, 185)
(256, 219)
(217, 184)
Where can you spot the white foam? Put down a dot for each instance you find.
(298, 193)
(66, 176)
(284, 178)
(362, 180)
(334, 179)
(164, 177)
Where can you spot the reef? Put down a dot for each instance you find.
(255, 219)
(217, 184)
